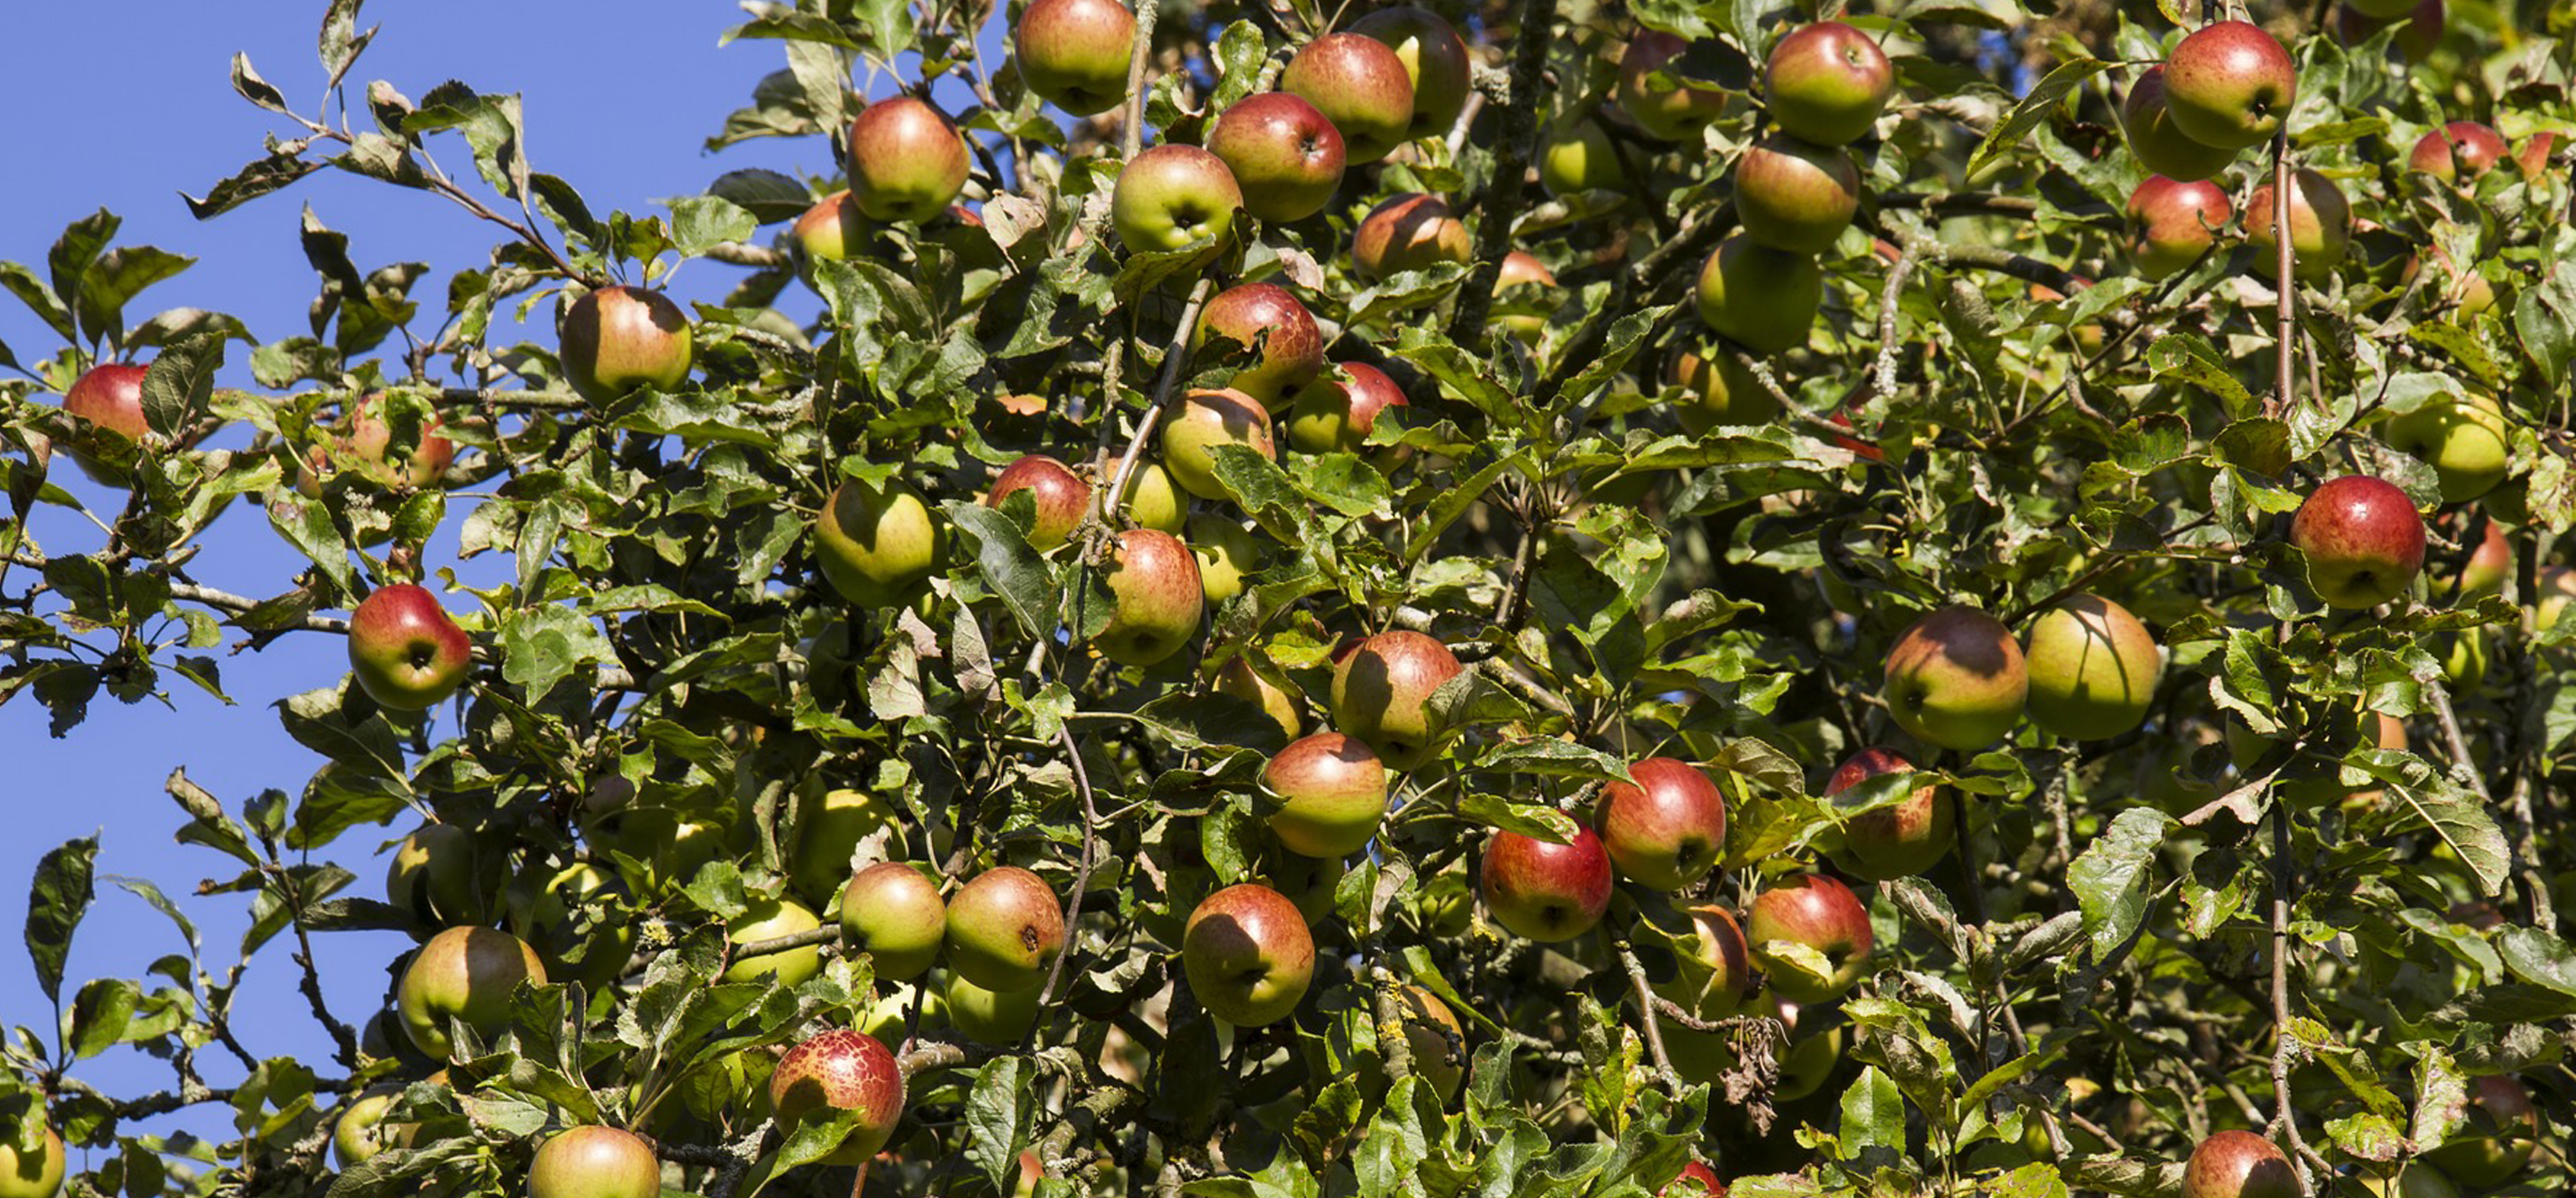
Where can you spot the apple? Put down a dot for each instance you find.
(1956, 679)
(1382, 694)
(595, 1162)
(1308, 883)
(1718, 391)
(2320, 228)
(2533, 158)
(1330, 414)
(2415, 39)
(618, 340)
(1438, 1040)
(1409, 232)
(1546, 892)
(37, 1174)
(892, 912)
(1226, 553)
(1157, 598)
(1005, 927)
(1073, 53)
(2093, 669)
(433, 877)
(766, 918)
(369, 438)
(358, 1134)
(840, 1070)
(1819, 914)
(2363, 540)
(2557, 589)
(1360, 85)
(2239, 1164)
(1332, 793)
(1665, 830)
(2154, 140)
(990, 1016)
(1172, 197)
(2458, 151)
(1522, 269)
(1152, 500)
(595, 955)
(1576, 156)
(1241, 679)
(1435, 60)
(1713, 969)
(2230, 84)
(110, 398)
(406, 652)
(1266, 335)
(2464, 440)
(2174, 223)
(465, 974)
(1899, 841)
(1205, 419)
(1827, 83)
(1285, 154)
(1795, 196)
(1674, 111)
(907, 161)
(1758, 297)
(830, 825)
(1695, 1179)
(1059, 496)
(1248, 955)
(2495, 1144)
(876, 544)
(2488, 565)
(831, 230)
(2463, 292)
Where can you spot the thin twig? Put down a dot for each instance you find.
(1173, 354)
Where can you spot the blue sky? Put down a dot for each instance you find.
(618, 100)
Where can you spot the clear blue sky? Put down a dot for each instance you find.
(127, 113)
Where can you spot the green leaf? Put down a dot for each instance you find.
(543, 646)
(999, 1115)
(1010, 567)
(181, 381)
(1539, 820)
(2110, 877)
(2034, 108)
(1872, 1130)
(56, 901)
(99, 1014)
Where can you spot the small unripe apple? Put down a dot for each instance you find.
(2157, 144)
(618, 339)
(1073, 53)
(404, 649)
(1332, 792)
(1248, 955)
(37, 1174)
(1060, 497)
(1226, 553)
(1900, 841)
(433, 877)
(595, 1162)
(1285, 154)
(2320, 227)
(110, 398)
(2174, 223)
(2460, 150)
(2093, 669)
(830, 825)
(766, 918)
(1266, 335)
(594, 954)
(1172, 197)
(1577, 156)
(2363, 539)
(1409, 232)
(1796, 196)
(2240, 1164)
(832, 230)
(1670, 112)
(840, 1070)
(1005, 927)
(2466, 442)
(1205, 419)
(1546, 892)
(1382, 694)
(1330, 414)
(1435, 60)
(466, 974)
(1827, 83)
(1718, 392)
(892, 912)
(2497, 1142)
(2230, 84)
(1758, 297)
(1667, 829)
(990, 1016)
(1956, 679)
(1820, 914)
(2416, 38)
(907, 161)
(1360, 85)
(358, 1134)
(877, 544)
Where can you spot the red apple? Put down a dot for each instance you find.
(2457, 151)
(2363, 540)
(1546, 892)
(618, 339)
(2488, 565)
(1329, 414)
(1273, 339)
(2158, 145)
(1332, 793)
(1668, 829)
(1159, 599)
(1073, 53)
(2174, 223)
(1758, 297)
(2533, 158)
(1285, 154)
(1827, 83)
(1005, 927)
(907, 162)
(1172, 197)
(2230, 84)
(2240, 1164)
(1382, 693)
(1360, 85)
(1675, 111)
(1434, 58)
(1713, 966)
(1956, 679)
(407, 653)
(1409, 232)
(2320, 228)
(1059, 496)
(1892, 842)
(840, 1070)
(1795, 196)
(110, 398)
(1695, 1179)
(369, 438)
(1248, 955)
(1821, 915)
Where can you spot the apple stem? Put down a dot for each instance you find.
(1174, 353)
(2284, 338)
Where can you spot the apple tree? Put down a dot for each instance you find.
(1515, 597)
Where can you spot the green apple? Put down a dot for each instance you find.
(619, 339)
(465, 974)
(1795, 196)
(1718, 392)
(595, 1162)
(839, 1070)
(1332, 791)
(830, 827)
(1248, 955)
(404, 649)
(2093, 669)
(1382, 695)
(2320, 228)
(907, 162)
(2156, 143)
(1435, 59)
(434, 876)
(36, 1174)
(1760, 298)
(359, 1133)
(2415, 1179)
(1205, 419)
(2464, 440)
(877, 544)
(990, 1016)
(1667, 111)
(1438, 1040)
(768, 918)
(1308, 883)
(1239, 678)
(1226, 553)
(1577, 156)
(1153, 501)
(1073, 53)
(1157, 599)
(1956, 679)
(1827, 83)
(2230, 84)
(892, 912)
(1358, 84)
(593, 952)
(1005, 927)
(1172, 197)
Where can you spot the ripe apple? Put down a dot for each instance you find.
(1712, 967)
(831, 230)
(1438, 1040)
(830, 824)
(1667, 829)
(1073, 53)
(990, 1016)
(2230, 84)
(406, 652)
(1059, 495)
(110, 398)
(618, 339)
(1206, 419)
(1172, 197)
(2495, 1144)
(1332, 793)
(1695, 1179)
(907, 162)
(1330, 414)
(37, 1174)
(1795, 196)
(2320, 227)
(1758, 297)
(2239, 1164)
(1892, 842)
(1154, 580)
(1577, 156)
(2093, 669)
(2174, 223)
(2464, 440)
(1827, 83)
(1382, 694)
(1005, 926)
(1240, 678)
(1285, 155)
(1719, 391)
(434, 878)
(595, 1162)
(1675, 111)
(1956, 679)
(2458, 151)
(2363, 540)
(1152, 499)
(876, 544)
(466, 974)
(2533, 158)
(1266, 335)
(1248, 955)
(1435, 60)
(892, 912)
(369, 438)
(1226, 553)
(2488, 565)
(1308, 883)
(1409, 232)
(1546, 892)
(2157, 143)
(1820, 914)
(840, 1070)
(1360, 85)
(766, 918)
